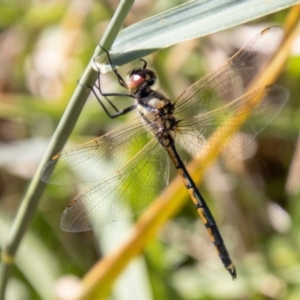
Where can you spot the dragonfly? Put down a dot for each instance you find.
(131, 163)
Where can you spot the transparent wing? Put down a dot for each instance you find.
(98, 158)
(121, 195)
(232, 80)
(193, 133)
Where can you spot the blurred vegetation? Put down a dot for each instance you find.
(44, 48)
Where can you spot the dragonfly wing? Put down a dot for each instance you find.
(231, 81)
(194, 133)
(123, 194)
(98, 158)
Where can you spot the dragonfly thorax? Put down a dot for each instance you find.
(157, 110)
(158, 113)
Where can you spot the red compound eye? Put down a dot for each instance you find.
(134, 81)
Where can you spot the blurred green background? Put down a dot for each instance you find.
(44, 48)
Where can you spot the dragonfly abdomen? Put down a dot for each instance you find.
(203, 211)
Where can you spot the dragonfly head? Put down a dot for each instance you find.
(140, 78)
